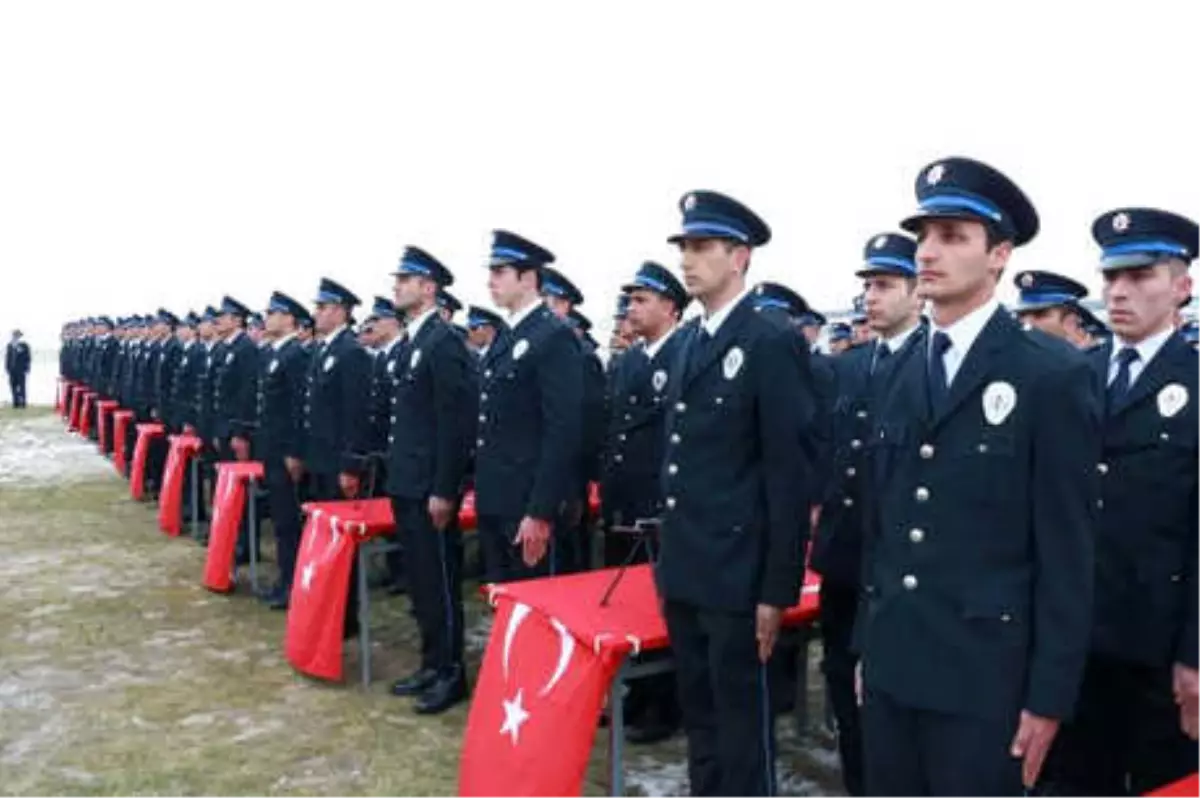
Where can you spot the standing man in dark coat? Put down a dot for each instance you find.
(431, 426)
(1135, 727)
(530, 411)
(977, 576)
(277, 438)
(17, 364)
(737, 486)
(893, 310)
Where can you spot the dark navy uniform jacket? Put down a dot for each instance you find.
(434, 391)
(736, 480)
(16, 358)
(206, 391)
(384, 371)
(636, 441)
(979, 558)
(336, 426)
(1147, 528)
(837, 546)
(530, 410)
(282, 385)
(591, 440)
(166, 372)
(190, 364)
(236, 389)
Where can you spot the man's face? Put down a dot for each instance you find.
(185, 334)
(1052, 321)
(304, 334)
(812, 333)
(839, 346)
(709, 265)
(504, 284)
(277, 324)
(206, 330)
(892, 303)
(649, 313)
(558, 306)
(385, 330)
(480, 337)
(367, 336)
(225, 324)
(862, 332)
(953, 261)
(409, 292)
(1143, 301)
(328, 316)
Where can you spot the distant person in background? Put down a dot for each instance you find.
(16, 363)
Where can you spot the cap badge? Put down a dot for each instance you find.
(1120, 222)
(689, 202)
(1027, 280)
(935, 174)
(880, 242)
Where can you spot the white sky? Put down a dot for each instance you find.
(164, 153)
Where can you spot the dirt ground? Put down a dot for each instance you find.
(120, 674)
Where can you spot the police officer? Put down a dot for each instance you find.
(1090, 332)
(209, 353)
(388, 330)
(530, 409)
(235, 392)
(893, 307)
(431, 427)
(811, 322)
(482, 328)
(737, 487)
(1136, 723)
(860, 330)
(447, 306)
(841, 338)
(977, 577)
(623, 336)
(563, 299)
(1050, 303)
(278, 438)
(164, 360)
(17, 363)
(634, 447)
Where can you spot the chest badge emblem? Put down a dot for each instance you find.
(999, 399)
(732, 364)
(1172, 399)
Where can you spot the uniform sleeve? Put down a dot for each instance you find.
(786, 402)
(1065, 487)
(560, 383)
(453, 381)
(355, 403)
(297, 385)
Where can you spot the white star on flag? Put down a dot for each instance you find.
(514, 716)
(306, 576)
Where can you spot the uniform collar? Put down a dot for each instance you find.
(329, 338)
(1147, 349)
(653, 349)
(963, 332)
(896, 342)
(519, 316)
(282, 342)
(712, 323)
(416, 324)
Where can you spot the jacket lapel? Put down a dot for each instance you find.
(1156, 374)
(714, 350)
(977, 365)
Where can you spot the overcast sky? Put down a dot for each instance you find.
(164, 154)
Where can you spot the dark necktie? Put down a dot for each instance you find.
(939, 389)
(882, 352)
(1119, 387)
(699, 347)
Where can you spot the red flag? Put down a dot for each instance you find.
(534, 712)
(85, 414)
(76, 401)
(1185, 786)
(64, 387)
(170, 498)
(121, 419)
(317, 605)
(137, 476)
(104, 409)
(229, 501)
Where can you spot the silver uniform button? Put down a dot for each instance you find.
(628, 417)
(1164, 436)
(926, 451)
(633, 400)
(618, 458)
(675, 437)
(482, 418)
(848, 501)
(479, 443)
(916, 535)
(393, 400)
(487, 373)
(680, 407)
(922, 494)
(861, 414)
(1102, 468)
(851, 471)
(670, 502)
(856, 444)
(1005, 617)
(672, 469)
(621, 437)
(909, 581)
(483, 397)
(1099, 504)
(393, 418)
(391, 438)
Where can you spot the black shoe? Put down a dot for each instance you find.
(415, 683)
(447, 691)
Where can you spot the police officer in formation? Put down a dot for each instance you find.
(1050, 303)
(16, 365)
(483, 326)
(735, 511)
(862, 378)
(431, 407)
(527, 449)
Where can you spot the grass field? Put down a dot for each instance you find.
(120, 674)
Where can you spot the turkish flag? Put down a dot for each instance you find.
(85, 415)
(170, 498)
(534, 712)
(121, 420)
(229, 502)
(73, 413)
(1185, 786)
(317, 605)
(141, 450)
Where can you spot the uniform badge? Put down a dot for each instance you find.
(274, 365)
(415, 359)
(999, 399)
(1121, 222)
(659, 380)
(1027, 280)
(935, 174)
(1172, 399)
(689, 202)
(880, 242)
(328, 364)
(519, 349)
(732, 364)
(229, 358)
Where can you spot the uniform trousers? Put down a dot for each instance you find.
(434, 583)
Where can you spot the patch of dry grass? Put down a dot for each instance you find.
(120, 674)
